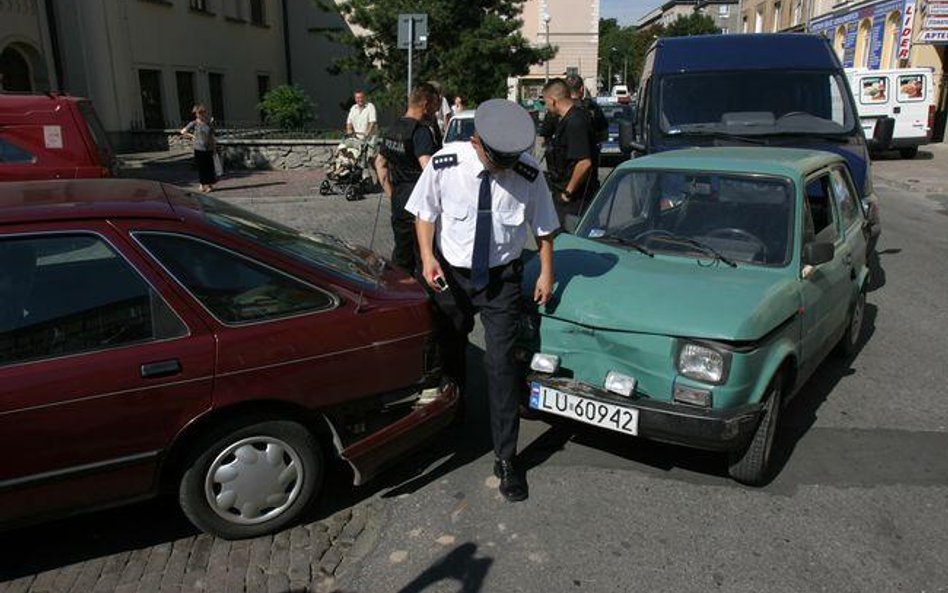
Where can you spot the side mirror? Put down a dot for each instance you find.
(626, 136)
(815, 254)
(882, 133)
(570, 222)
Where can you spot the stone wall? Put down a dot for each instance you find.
(258, 153)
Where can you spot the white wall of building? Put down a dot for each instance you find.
(573, 28)
(23, 29)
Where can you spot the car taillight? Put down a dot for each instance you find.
(931, 120)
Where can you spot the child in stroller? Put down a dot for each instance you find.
(347, 169)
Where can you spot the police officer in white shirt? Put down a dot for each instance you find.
(474, 205)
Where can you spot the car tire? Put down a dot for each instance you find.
(262, 497)
(855, 324)
(908, 153)
(751, 465)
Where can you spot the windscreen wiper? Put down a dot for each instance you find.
(628, 243)
(672, 238)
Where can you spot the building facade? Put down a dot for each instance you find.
(145, 63)
(570, 25)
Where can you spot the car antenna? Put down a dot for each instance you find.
(378, 271)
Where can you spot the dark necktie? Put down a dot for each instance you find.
(480, 260)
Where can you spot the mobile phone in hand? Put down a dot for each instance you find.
(441, 283)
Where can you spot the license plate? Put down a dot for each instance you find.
(610, 150)
(590, 411)
(869, 126)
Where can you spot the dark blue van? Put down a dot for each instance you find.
(785, 90)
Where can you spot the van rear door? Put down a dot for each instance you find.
(97, 139)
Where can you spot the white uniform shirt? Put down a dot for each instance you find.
(361, 118)
(448, 197)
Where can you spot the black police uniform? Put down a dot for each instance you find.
(401, 146)
(572, 142)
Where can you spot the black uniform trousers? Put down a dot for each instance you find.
(499, 306)
(405, 252)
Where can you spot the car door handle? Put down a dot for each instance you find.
(164, 368)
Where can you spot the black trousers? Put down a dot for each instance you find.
(405, 252)
(499, 306)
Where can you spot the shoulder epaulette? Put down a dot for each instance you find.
(443, 161)
(526, 171)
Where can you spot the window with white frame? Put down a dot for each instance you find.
(777, 14)
(759, 20)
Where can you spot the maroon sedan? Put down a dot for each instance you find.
(154, 339)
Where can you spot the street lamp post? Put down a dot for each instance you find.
(546, 25)
(612, 53)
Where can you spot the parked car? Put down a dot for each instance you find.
(52, 137)
(154, 340)
(700, 291)
(782, 89)
(620, 93)
(906, 95)
(460, 128)
(611, 153)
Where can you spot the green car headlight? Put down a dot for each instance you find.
(703, 363)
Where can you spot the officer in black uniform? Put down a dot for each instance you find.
(474, 208)
(570, 165)
(403, 153)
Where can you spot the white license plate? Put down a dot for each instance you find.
(869, 126)
(577, 407)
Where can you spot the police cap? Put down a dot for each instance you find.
(506, 130)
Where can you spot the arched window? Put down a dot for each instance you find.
(840, 41)
(890, 43)
(15, 71)
(863, 39)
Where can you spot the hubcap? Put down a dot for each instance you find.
(254, 480)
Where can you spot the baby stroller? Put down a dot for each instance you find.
(347, 169)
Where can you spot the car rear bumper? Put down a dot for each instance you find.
(713, 430)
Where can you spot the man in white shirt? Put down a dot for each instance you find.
(474, 205)
(362, 120)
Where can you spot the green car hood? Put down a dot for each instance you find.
(615, 288)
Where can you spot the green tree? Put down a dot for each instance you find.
(472, 47)
(621, 51)
(693, 24)
(288, 107)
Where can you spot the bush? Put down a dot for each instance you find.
(287, 107)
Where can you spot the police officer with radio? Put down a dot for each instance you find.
(571, 161)
(474, 206)
(403, 153)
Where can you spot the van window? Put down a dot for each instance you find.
(819, 222)
(912, 88)
(873, 89)
(97, 131)
(11, 154)
(845, 197)
(751, 102)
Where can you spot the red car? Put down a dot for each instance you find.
(52, 137)
(152, 339)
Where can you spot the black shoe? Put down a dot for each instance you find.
(513, 482)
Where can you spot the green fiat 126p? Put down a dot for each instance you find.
(699, 292)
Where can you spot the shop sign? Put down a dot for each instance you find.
(934, 20)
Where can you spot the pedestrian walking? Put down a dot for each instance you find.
(570, 166)
(404, 151)
(362, 121)
(474, 207)
(204, 142)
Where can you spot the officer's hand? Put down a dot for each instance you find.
(431, 270)
(544, 289)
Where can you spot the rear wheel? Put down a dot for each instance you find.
(752, 465)
(247, 480)
(353, 193)
(908, 153)
(325, 188)
(851, 340)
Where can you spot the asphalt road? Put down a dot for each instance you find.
(859, 504)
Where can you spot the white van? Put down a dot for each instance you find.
(906, 95)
